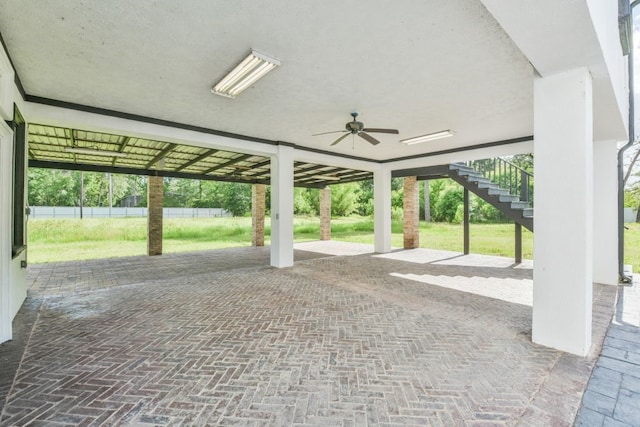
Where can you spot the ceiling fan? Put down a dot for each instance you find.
(357, 128)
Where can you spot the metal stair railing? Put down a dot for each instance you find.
(511, 177)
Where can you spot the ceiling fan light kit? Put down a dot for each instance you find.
(428, 137)
(355, 127)
(251, 69)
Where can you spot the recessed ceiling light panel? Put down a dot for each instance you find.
(428, 137)
(250, 70)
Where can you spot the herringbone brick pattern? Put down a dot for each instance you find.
(331, 341)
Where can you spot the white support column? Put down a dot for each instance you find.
(563, 244)
(605, 212)
(282, 207)
(382, 210)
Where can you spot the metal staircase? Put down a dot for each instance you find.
(503, 185)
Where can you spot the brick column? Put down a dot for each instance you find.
(257, 214)
(411, 209)
(155, 194)
(325, 214)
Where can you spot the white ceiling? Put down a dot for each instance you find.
(419, 66)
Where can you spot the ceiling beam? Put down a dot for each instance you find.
(356, 179)
(422, 171)
(134, 171)
(315, 186)
(259, 166)
(306, 171)
(197, 159)
(229, 163)
(160, 155)
(121, 149)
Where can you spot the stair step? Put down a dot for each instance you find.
(519, 205)
(463, 169)
(488, 184)
(470, 173)
(527, 213)
(460, 166)
(497, 191)
(507, 198)
(478, 178)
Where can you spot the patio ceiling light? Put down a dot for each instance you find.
(428, 137)
(252, 68)
(94, 152)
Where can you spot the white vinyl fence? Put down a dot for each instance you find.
(629, 215)
(90, 212)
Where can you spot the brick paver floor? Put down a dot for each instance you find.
(220, 338)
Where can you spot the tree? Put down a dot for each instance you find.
(365, 197)
(303, 201)
(344, 199)
(52, 187)
(237, 198)
(447, 204)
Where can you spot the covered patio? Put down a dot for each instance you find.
(252, 337)
(221, 338)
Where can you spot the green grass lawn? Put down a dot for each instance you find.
(52, 240)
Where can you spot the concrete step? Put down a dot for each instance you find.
(527, 213)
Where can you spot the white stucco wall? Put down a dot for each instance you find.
(12, 276)
(18, 283)
(6, 171)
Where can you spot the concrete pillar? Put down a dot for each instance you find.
(282, 207)
(382, 210)
(257, 214)
(411, 213)
(155, 195)
(605, 214)
(563, 244)
(325, 214)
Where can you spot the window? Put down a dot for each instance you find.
(19, 174)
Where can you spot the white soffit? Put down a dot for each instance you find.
(557, 36)
(418, 66)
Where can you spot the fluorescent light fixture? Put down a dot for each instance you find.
(429, 137)
(94, 152)
(326, 177)
(252, 68)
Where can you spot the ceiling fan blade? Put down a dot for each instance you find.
(368, 138)
(394, 131)
(324, 133)
(341, 138)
